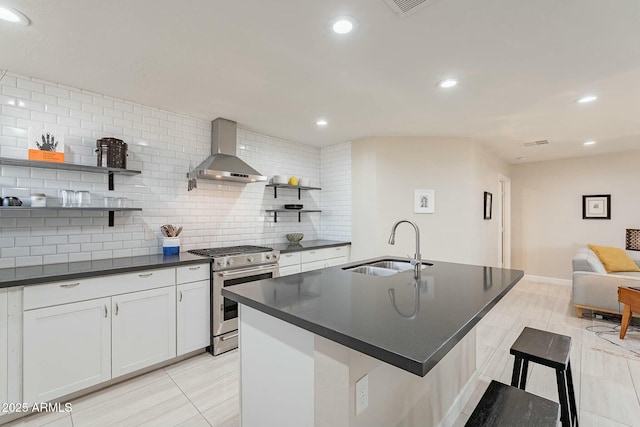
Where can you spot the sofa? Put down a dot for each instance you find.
(593, 288)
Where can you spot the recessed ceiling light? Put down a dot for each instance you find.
(11, 15)
(587, 98)
(321, 122)
(447, 83)
(343, 24)
(589, 143)
(521, 158)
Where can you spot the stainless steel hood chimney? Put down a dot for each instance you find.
(223, 164)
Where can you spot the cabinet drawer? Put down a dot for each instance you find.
(314, 255)
(96, 287)
(324, 253)
(339, 252)
(289, 259)
(193, 273)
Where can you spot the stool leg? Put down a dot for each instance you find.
(515, 376)
(572, 397)
(562, 395)
(523, 375)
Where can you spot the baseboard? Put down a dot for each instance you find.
(551, 280)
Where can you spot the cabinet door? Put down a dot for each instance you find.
(288, 270)
(66, 348)
(331, 262)
(144, 329)
(315, 265)
(4, 347)
(193, 318)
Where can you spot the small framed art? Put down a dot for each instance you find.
(596, 206)
(488, 202)
(424, 201)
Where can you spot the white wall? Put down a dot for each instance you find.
(335, 166)
(386, 170)
(164, 146)
(547, 209)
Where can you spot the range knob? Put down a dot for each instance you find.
(250, 259)
(229, 262)
(220, 263)
(268, 256)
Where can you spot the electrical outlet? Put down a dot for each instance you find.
(149, 234)
(362, 394)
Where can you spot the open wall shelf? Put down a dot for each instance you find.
(71, 167)
(276, 211)
(295, 187)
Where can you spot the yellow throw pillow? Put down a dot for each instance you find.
(614, 259)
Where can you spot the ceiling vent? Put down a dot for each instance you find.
(406, 7)
(534, 143)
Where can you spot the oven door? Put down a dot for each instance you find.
(225, 311)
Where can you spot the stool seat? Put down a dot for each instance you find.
(503, 405)
(542, 347)
(551, 350)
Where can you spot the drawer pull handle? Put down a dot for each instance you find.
(194, 268)
(289, 255)
(106, 313)
(70, 285)
(145, 275)
(229, 337)
(312, 252)
(117, 309)
(180, 299)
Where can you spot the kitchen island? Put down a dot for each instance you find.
(306, 339)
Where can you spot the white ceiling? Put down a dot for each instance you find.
(274, 66)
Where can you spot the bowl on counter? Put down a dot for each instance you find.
(296, 207)
(295, 237)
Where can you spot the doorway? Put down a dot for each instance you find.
(504, 221)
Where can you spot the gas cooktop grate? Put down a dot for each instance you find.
(230, 250)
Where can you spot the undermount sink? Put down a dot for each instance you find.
(394, 265)
(385, 267)
(373, 271)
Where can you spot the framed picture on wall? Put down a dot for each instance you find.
(596, 206)
(424, 201)
(488, 202)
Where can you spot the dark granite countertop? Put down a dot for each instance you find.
(23, 276)
(358, 311)
(307, 245)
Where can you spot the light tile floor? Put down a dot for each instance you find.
(203, 391)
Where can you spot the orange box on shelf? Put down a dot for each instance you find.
(46, 145)
(46, 156)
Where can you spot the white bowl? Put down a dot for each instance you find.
(279, 179)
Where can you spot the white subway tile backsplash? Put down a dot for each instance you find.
(54, 259)
(56, 91)
(164, 146)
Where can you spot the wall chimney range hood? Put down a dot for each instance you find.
(223, 164)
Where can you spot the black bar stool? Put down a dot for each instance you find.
(503, 405)
(552, 350)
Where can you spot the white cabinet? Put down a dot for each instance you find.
(4, 347)
(81, 333)
(193, 319)
(289, 270)
(289, 263)
(66, 348)
(143, 329)
(314, 259)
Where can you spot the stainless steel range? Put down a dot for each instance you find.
(231, 266)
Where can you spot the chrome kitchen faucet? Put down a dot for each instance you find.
(417, 261)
